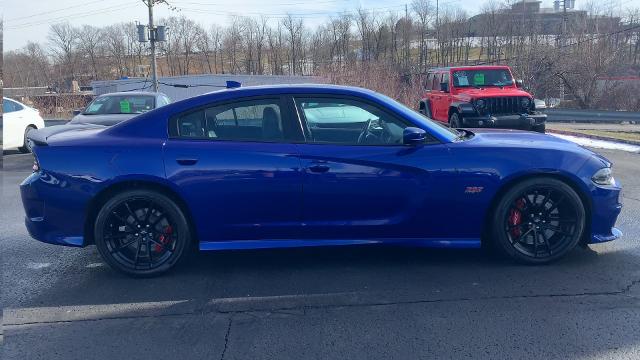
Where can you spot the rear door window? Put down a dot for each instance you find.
(250, 120)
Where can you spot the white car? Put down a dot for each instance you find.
(17, 120)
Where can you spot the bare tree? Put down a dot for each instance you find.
(63, 40)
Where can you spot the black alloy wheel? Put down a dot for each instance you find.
(538, 221)
(141, 233)
(455, 121)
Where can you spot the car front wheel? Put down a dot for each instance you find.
(141, 233)
(455, 121)
(539, 128)
(538, 221)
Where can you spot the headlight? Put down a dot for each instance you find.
(525, 103)
(603, 176)
(480, 104)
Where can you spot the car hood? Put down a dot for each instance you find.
(490, 92)
(43, 136)
(524, 140)
(106, 120)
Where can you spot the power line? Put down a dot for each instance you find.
(53, 11)
(280, 15)
(113, 8)
(277, 4)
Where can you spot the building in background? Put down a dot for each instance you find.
(182, 87)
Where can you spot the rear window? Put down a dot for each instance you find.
(251, 120)
(120, 104)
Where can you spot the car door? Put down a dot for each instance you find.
(360, 181)
(237, 168)
(442, 103)
(13, 124)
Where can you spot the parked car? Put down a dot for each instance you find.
(311, 165)
(108, 110)
(479, 96)
(18, 120)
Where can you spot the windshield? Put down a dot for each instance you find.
(434, 127)
(120, 104)
(482, 77)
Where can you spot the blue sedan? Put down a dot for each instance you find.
(311, 165)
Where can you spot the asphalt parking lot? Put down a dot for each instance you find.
(353, 303)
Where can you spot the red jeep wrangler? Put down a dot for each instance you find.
(479, 96)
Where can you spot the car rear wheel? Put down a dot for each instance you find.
(538, 221)
(26, 148)
(141, 233)
(455, 121)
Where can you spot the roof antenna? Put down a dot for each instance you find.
(233, 84)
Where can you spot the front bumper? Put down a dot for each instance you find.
(605, 209)
(521, 121)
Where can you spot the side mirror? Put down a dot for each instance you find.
(519, 83)
(413, 136)
(77, 112)
(444, 87)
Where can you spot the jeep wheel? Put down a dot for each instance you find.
(455, 121)
(539, 128)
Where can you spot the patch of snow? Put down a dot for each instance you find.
(600, 144)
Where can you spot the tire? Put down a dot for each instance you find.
(539, 128)
(455, 121)
(134, 223)
(25, 148)
(538, 221)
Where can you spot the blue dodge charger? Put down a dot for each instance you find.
(311, 165)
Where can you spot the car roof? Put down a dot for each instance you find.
(134, 93)
(293, 88)
(470, 67)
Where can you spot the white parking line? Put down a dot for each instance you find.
(600, 144)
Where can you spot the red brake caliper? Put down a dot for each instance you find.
(515, 218)
(164, 239)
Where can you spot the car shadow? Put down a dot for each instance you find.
(408, 273)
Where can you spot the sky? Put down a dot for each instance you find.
(26, 21)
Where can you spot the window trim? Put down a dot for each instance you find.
(288, 123)
(432, 140)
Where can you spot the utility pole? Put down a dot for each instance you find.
(437, 33)
(564, 21)
(152, 34)
(152, 39)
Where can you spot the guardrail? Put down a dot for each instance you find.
(592, 116)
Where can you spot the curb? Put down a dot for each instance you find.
(596, 137)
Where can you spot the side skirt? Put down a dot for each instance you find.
(279, 243)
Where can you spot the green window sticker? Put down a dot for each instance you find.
(478, 79)
(125, 107)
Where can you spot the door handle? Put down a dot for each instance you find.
(187, 161)
(319, 167)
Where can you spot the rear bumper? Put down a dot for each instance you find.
(49, 218)
(523, 121)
